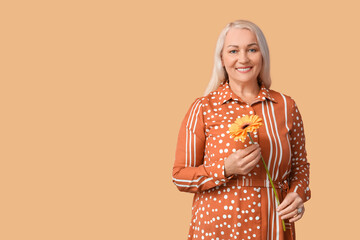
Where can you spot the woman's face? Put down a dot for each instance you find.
(241, 55)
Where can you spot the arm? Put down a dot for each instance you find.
(299, 176)
(190, 174)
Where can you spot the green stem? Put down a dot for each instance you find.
(272, 184)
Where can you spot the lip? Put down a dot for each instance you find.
(243, 68)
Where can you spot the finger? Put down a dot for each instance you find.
(249, 167)
(291, 207)
(245, 159)
(248, 150)
(297, 217)
(251, 156)
(289, 199)
(283, 204)
(252, 162)
(290, 214)
(249, 163)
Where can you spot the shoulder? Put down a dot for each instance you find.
(202, 105)
(214, 97)
(210, 99)
(195, 106)
(287, 103)
(281, 97)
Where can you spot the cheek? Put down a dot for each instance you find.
(228, 61)
(259, 60)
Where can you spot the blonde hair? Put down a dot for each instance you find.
(219, 74)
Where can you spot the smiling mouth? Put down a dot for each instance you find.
(244, 70)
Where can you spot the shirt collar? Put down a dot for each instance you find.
(225, 94)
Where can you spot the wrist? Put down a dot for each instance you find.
(227, 172)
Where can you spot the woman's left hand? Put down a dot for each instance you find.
(288, 209)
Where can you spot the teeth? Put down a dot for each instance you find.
(243, 69)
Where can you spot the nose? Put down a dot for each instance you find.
(243, 58)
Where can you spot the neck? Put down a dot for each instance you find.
(245, 90)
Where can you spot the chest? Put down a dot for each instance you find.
(273, 135)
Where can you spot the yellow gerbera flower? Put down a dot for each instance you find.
(243, 125)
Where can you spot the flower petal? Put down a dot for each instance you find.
(243, 125)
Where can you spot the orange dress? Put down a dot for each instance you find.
(240, 206)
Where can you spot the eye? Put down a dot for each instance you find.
(232, 51)
(253, 50)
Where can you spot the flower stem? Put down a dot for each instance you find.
(272, 184)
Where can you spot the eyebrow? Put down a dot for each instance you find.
(238, 46)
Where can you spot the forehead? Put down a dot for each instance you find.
(239, 36)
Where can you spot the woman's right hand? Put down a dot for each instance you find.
(242, 161)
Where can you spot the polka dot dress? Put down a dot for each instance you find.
(240, 206)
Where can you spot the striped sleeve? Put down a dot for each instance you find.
(299, 176)
(190, 174)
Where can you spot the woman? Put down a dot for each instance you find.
(233, 195)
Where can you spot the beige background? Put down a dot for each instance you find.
(93, 94)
